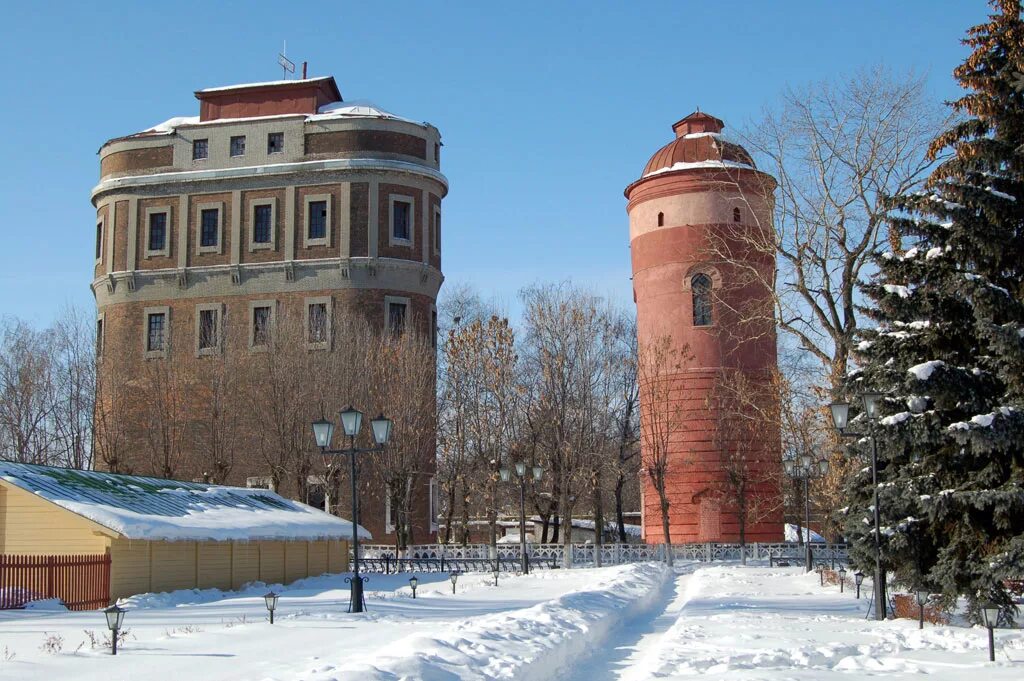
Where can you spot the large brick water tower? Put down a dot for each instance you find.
(700, 217)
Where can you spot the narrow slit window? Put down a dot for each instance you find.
(736, 215)
(700, 286)
(661, 219)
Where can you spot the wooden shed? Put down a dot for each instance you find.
(156, 535)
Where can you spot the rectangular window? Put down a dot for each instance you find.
(155, 332)
(157, 231)
(437, 231)
(209, 217)
(99, 240)
(396, 317)
(238, 145)
(401, 215)
(437, 153)
(275, 142)
(207, 329)
(99, 337)
(318, 323)
(433, 329)
(200, 149)
(317, 220)
(261, 226)
(261, 326)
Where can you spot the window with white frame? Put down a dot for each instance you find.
(263, 224)
(156, 339)
(208, 329)
(318, 323)
(261, 324)
(401, 222)
(209, 230)
(158, 237)
(317, 209)
(396, 312)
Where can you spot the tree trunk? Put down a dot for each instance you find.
(620, 516)
(664, 525)
(598, 518)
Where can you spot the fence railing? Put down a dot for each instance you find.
(611, 554)
(80, 582)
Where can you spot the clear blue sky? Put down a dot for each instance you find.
(548, 109)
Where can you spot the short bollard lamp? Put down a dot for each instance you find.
(858, 579)
(413, 583)
(842, 579)
(990, 618)
(922, 598)
(454, 576)
(115, 618)
(496, 571)
(271, 600)
(821, 573)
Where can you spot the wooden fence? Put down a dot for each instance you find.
(80, 582)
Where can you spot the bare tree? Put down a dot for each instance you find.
(73, 351)
(745, 415)
(661, 419)
(837, 151)
(26, 393)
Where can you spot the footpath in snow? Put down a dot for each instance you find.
(746, 623)
(528, 627)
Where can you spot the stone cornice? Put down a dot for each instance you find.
(227, 281)
(355, 164)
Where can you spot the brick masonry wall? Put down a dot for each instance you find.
(346, 143)
(124, 345)
(135, 161)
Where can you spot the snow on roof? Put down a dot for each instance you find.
(171, 124)
(793, 533)
(239, 86)
(138, 507)
(690, 165)
(356, 108)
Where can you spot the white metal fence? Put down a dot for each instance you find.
(614, 554)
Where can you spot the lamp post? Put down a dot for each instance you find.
(497, 571)
(803, 468)
(115, 618)
(922, 598)
(842, 578)
(271, 600)
(520, 473)
(858, 579)
(840, 419)
(413, 583)
(323, 431)
(990, 617)
(454, 576)
(820, 568)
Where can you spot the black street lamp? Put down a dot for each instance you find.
(496, 572)
(858, 579)
(840, 419)
(413, 582)
(271, 600)
(520, 472)
(842, 578)
(454, 576)
(806, 469)
(820, 568)
(922, 598)
(990, 617)
(115, 618)
(323, 431)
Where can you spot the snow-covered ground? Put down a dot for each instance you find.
(630, 622)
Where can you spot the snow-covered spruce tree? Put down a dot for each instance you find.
(948, 350)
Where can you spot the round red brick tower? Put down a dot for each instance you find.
(700, 220)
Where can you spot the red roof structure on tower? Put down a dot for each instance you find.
(698, 139)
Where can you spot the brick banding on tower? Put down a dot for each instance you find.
(696, 215)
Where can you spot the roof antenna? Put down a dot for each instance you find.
(287, 66)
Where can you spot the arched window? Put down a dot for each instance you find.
(661, 219)
(700, 286)
(735, 214)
